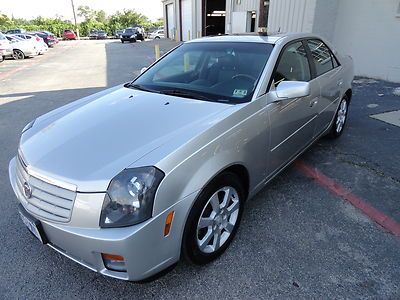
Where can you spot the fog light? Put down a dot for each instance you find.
(114, 262)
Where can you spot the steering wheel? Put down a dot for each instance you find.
(245, 76)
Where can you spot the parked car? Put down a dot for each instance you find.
(130, 179)
(132, 35)
(39, 43)
(118, 34)
(21, 48)
(6, 49)
(101, 34)
(69, 34)
(158, 34)
(14, 31)
(93, 34)
(48, 38)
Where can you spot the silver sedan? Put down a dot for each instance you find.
(129, 180)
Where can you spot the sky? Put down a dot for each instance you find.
(30, 9)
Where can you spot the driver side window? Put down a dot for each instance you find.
(293, 65)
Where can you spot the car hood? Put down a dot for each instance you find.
(86, 144)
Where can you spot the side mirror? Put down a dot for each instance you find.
(142, 70)
(292, 89)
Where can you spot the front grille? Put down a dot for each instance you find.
(47, 200)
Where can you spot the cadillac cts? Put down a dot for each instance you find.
(129, 180)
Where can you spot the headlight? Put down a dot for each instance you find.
(133, 36)
(130, 197)
(28, 126)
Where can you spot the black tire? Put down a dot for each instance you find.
(190, 248)
(18, 54)
(133, 40)
(122, 41)
(336, 130)
(1, 58)
(157, 38)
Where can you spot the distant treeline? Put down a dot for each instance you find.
(93, 19)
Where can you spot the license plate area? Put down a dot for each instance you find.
(33, 224)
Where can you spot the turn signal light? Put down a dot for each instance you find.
(168, 223)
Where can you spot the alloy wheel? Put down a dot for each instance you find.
(341, 116)
(18, 54)
(218, 219)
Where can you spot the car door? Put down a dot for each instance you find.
(327, 71)
(291, 120)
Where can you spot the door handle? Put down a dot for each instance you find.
(314, 102)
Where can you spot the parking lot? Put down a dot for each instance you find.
(327, 227)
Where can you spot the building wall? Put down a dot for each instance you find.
(291, 15)
(369, 30)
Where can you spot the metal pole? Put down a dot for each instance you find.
(76, 26)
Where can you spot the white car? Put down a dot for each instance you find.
(5, 47)
(158, 34)
(39, 43)
(22, 48)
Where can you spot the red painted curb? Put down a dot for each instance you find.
(377, 216)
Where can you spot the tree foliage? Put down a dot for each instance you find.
(91, 19)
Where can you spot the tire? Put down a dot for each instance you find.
(340, 119)
(1, 58)
(200, 241)
(157, 38)
(122, 41)
(18, 54)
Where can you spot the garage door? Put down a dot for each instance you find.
(170, 21)
(186, 10)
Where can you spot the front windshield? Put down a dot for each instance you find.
(212, 71)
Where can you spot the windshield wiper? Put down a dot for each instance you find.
(140, 87)
(185, 94)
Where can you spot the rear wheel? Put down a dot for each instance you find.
(340, 118)
(213, 219)
(1, 58)
(157, 38)
(18, 54)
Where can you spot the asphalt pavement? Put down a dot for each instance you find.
(297, 239)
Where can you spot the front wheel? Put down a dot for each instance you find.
(213, 219)
(340, 118)
(18, 54)
(1, 58)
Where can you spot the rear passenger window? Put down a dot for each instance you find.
(293, 64)
(321, 55)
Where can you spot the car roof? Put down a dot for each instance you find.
(254, 38)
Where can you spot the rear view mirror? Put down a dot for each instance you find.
(292, 89)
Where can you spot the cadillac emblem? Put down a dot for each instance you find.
(27, 190)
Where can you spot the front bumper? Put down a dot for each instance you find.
(145, 249)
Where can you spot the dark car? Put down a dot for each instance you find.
(47, 37)
(132, 35)
(101, 34)
(16, 30)
(93, 34)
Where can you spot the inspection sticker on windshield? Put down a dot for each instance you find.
(239, 93)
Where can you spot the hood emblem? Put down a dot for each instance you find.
(27, 190)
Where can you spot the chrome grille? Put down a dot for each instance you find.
(47, 200)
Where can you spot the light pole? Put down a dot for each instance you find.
(76, 25)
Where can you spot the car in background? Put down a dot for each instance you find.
(93, 34)
(158, 34)
(69, 34)
(118, 34)
(16, 30)
(6, 50)
(40, 45)
(101, 34)
(132, 35)
(48, 38)
(21, 48)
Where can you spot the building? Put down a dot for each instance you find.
(368, 30)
